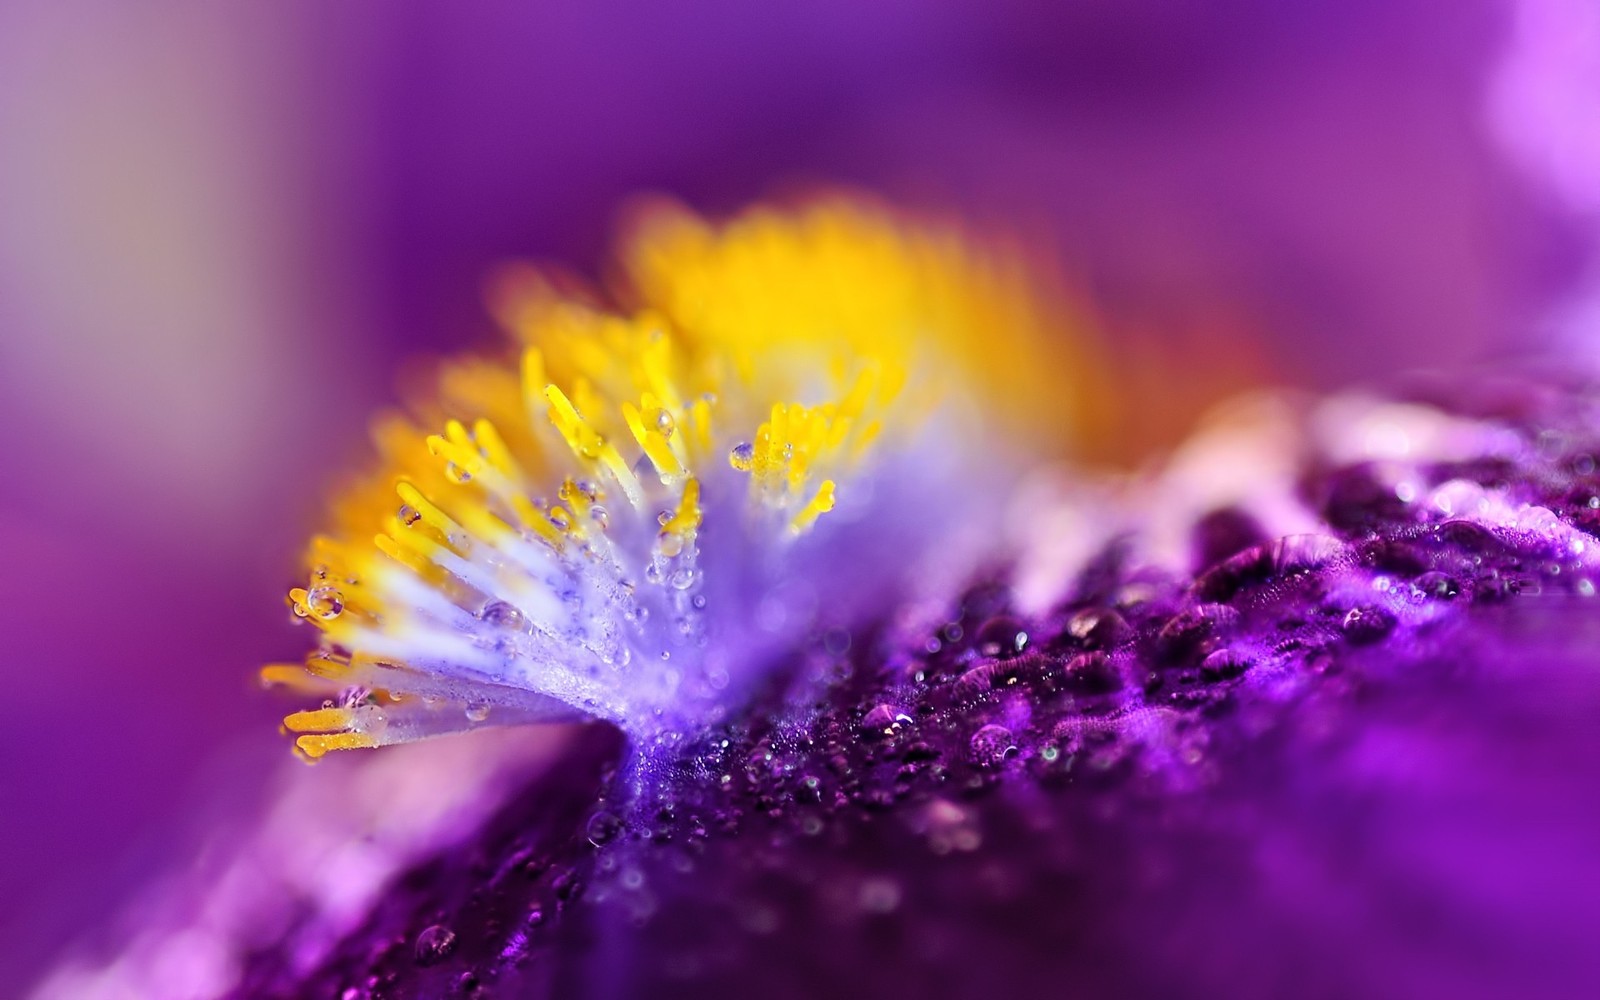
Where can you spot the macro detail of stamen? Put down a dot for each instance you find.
(623, 516)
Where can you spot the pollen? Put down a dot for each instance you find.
(628, 510)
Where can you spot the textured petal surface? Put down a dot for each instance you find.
(1343, 763)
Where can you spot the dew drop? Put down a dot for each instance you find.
(324, 603)
(502, 614)
(743, 456)
(603, 828)
(1367, 624)
(409, 515)
(878, 718)
(477, 711)
(1002, 636)
(991, 745)
(434, 944)
(669, 543)
(1437, 585)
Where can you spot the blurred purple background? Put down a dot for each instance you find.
(222, 228)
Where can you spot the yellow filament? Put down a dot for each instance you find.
(315, 745)
(819, 505)
(588, 444)
(656, 443)
(319, 720)
(432, 516)
(687, 517)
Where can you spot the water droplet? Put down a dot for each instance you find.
(1367, 624)
(663, 422)
(599, 515)
(669, 544)
(1002, 636)
(434, 944)
(1091, 673)
(409, 515)
(743, 456)
(1098, 628)
(477, 711)
(502, 614)
(991, 745)
(1437, 585)
(456, 473)
(603, 828)
(879, 718)
(324, 603)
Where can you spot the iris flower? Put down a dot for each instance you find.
(794, 660)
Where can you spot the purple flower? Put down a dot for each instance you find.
(1301, 710)
(222, 231)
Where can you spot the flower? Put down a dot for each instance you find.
(633, 511)
(1296, 708)
(1257, 762)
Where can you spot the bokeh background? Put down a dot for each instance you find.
(223, 227)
